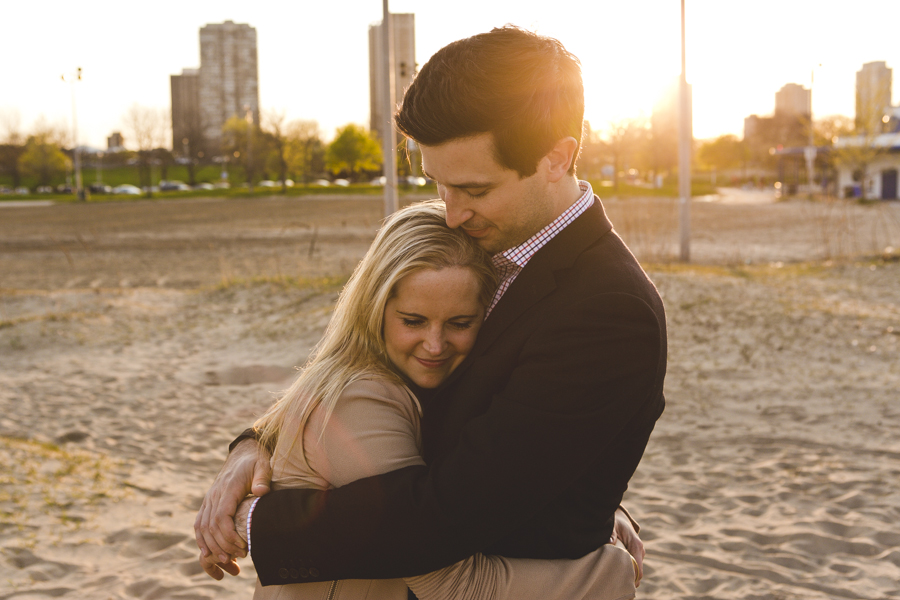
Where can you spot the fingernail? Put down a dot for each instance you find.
(223, 558)
(204, 552)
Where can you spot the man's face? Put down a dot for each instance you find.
(490, 202)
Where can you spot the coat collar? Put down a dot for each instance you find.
(537, 279)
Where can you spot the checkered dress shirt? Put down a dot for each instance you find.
(510, 263)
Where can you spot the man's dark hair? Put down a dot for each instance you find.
(523, 88)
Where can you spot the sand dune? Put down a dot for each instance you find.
(772, 474)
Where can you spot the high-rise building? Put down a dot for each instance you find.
(225, 85)
(187, 130)
(403, 29)
(114, 142)
(873, 96)
(792, 101)
(229, 77)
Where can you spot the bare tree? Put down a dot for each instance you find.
(147, 128)
(275, 126)
(305, 150)
(624, 141)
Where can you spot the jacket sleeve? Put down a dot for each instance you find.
(374, 429)
(578, 382)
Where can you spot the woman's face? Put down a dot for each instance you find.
(431, 322)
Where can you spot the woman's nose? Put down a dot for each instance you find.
(434, 341)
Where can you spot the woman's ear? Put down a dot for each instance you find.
(560, 158)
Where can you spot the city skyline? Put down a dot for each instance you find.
(313, 59)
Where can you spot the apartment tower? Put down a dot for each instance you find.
(403, 28)
(873, 96)
(229, 77)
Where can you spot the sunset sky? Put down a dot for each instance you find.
(313, 56)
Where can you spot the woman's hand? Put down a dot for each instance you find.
(625, 532)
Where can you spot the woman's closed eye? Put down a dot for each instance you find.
(410, 322)
(460, 325)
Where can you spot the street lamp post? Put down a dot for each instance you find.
(685, 134)
(809, 153)
(389, 148)
(76, 152)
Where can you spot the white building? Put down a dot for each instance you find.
(869, 166)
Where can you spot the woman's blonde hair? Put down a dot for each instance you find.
(412, 239)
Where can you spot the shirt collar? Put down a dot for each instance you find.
(521, 254)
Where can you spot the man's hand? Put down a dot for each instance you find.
(245, 471)
(624, 532)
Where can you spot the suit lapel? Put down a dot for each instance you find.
(537, 279)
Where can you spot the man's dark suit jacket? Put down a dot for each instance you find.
(530, 443)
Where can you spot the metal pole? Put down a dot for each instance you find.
(248, 117)
(76, 152)
(389, 146)
(684, 153)
(810, 151)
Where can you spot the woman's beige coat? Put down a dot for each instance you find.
(375, 429)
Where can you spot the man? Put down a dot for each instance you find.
(531, 442)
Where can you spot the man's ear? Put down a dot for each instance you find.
(560, 158)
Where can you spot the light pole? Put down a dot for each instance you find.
(248, 116)
(809, 153)
(76, 152)
(389, 148)
(100, 168)
(685, 134)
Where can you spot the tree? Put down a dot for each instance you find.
(42, 158)
(305, 153)
(276, 128)
(247, 145)
(723, 153)
(858, 151)
(12, 146)
(625, 141)
(147, 128)
(352, 152)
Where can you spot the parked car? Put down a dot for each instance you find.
(173, 186)
(23, 191)
(99, 188)
(341, 182)
(65, 189)
(45, 189)
(321, 182)
(127, 189)
(379, 181)
(416, 181)
(222, 185)
(204, 186)
(267, 183)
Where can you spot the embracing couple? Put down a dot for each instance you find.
(468, 424)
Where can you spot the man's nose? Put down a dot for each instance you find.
(457, 212)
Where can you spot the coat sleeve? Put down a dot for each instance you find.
(577, 385)
(374, 429)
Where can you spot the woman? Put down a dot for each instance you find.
(408, 316)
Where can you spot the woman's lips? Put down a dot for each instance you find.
(431, 364)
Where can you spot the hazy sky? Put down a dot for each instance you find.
(313, 56)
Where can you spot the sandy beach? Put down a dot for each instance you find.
(138, 338)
